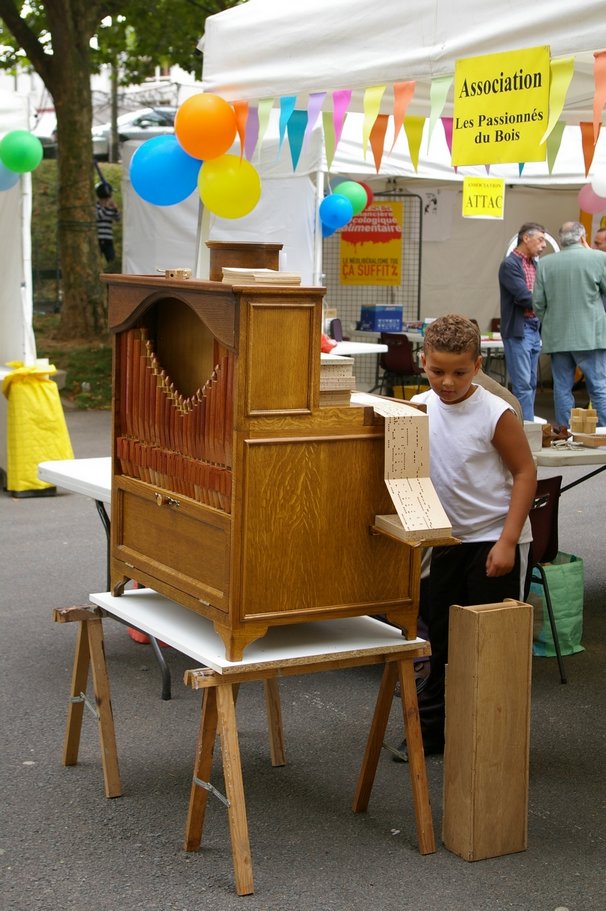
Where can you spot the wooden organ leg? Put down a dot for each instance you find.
(236, 640)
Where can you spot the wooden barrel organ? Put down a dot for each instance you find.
(234, 493)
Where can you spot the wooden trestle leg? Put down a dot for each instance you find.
(414, 742)
(90, 652)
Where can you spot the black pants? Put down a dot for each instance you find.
(107, 249)
(457, 576)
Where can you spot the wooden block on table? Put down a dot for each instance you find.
(590, 439)
(486, 758)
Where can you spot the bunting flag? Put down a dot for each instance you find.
(413, 127)
(377, 138)
(340, 103)
(562, 71)
(588, 143)
(296, 125)
(314, 106)
(599, 98)
(447, 124)
(371, 105)
(437, 96)
(402, 93)
(520, 168)
(265, 106)
(287, 106)
(330, 144)
(553, 143)
(252, 133)
(241, 112)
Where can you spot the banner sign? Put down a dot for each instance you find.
(371, 246)
(501, 104)
(483, 197)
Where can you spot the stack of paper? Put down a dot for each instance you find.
(336, 379)
(236, 276)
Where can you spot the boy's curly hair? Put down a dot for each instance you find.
(454, 334)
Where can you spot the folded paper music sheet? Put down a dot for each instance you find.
(419, 511)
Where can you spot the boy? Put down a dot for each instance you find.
(484, 474)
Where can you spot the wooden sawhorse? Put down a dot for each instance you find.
(284, 651)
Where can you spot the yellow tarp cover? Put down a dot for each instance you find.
(36, 428)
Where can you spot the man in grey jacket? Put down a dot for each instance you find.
(519, 323)
(567, 298)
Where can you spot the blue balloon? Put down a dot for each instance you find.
(327, 232)
(162, 173)
(8, 179)
(335, 211)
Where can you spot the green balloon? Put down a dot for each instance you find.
(20, 151)
(355, 193)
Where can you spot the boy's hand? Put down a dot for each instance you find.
(501, 559)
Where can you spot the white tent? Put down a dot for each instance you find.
(268, 49)
(16, 333)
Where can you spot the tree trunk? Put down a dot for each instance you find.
(82, 311)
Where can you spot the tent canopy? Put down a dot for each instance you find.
(267, 48)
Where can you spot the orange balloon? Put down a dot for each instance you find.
(205, 126)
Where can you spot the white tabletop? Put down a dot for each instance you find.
(349, 348)
(554, 457)
(91, 477)
(487, 344)
(296, 643)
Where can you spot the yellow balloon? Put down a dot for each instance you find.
(229, 186)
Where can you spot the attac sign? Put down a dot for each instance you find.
(501, 104)
(483, 197)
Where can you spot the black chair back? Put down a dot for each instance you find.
(544, 520)
(336, 330)
(399, 358)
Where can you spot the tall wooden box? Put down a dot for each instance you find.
(234, 492)
(487, 730)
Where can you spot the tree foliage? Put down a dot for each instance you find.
(66, 41)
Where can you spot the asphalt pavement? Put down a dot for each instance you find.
(63, 845)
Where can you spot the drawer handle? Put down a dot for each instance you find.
(163, 500)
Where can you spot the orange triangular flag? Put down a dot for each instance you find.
(241, 109)
(588, 143)
(402, 93)
(377, 138)
(599, 98)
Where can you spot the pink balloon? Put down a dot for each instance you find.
(589, 201)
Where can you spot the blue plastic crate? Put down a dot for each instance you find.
(381, 319)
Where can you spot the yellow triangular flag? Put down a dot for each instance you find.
(413, 127)
(562, 70)
(329, 137)
(554, 142)
(264, 110)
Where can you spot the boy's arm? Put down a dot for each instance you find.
(512, 445)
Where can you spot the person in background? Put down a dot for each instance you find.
(107, 213)
(568, 298)
(599, 241)
(483, 472)
(520, 328)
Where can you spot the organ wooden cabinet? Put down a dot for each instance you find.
(234, 493)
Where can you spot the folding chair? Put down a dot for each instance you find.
(544, 547)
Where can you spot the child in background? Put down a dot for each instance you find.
(107, 213)
(484, 474)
